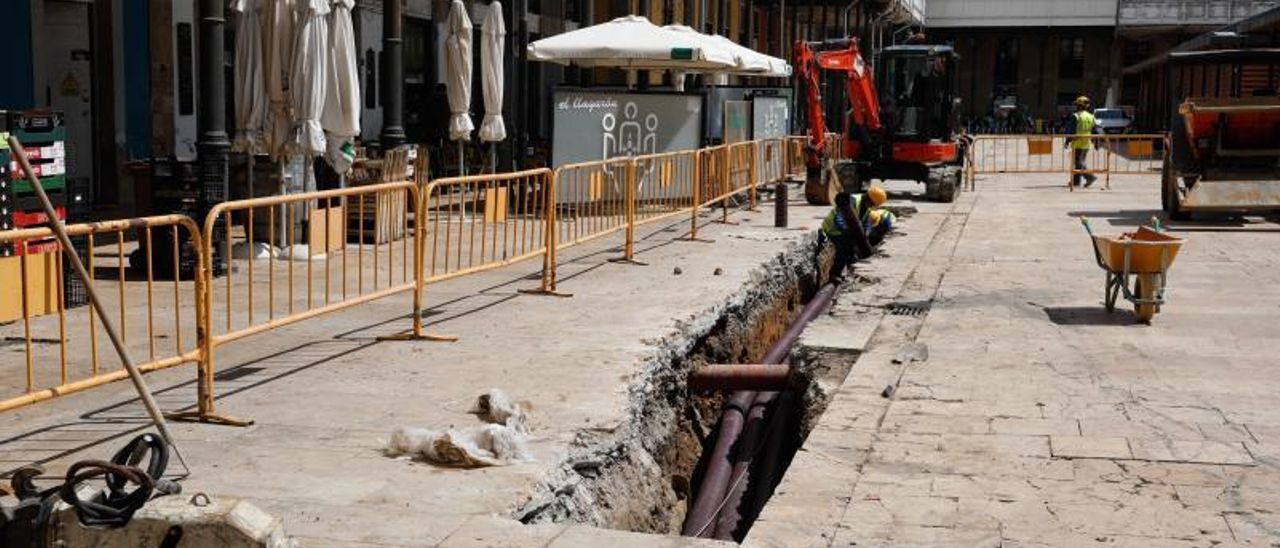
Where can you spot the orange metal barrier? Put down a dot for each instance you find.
(1109, 154)
(60, 346)
(295, 257)
(299, 256)
(480, 222)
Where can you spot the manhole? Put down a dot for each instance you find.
(909, 309)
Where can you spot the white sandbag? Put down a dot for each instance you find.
(299, 253)
(496, 407)
(481, 446)
(258, 250)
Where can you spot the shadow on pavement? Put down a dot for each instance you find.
(1088, 315)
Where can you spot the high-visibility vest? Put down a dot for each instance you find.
(1085, 123)
(834, 224)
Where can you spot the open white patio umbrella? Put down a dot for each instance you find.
(250, 89)
(747, 61)
(631, 42)
(458, 75)
(492, 129)
(278, 25)
(341, 117)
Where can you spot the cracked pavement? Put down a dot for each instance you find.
(1038, 419)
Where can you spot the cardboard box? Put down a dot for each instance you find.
(317, 239)
(42, 283)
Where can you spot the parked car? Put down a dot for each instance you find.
(1113, 120)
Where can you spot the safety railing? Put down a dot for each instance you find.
(145, 268)
(771, 160)
(1106, 155)
(795, 162)
(282, 260)
(480, 222)
(591, 200)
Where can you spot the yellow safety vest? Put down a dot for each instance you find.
(831, 226)
(1085, 123)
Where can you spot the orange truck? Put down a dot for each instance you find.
(1222, 152)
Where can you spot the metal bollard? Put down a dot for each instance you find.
(780, 205)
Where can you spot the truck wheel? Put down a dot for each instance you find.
(1169, 192)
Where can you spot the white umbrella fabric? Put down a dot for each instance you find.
(491, 64)
(746, 60)
(492, 129)
(632, 42)
(458, 76)
(308, 82)
(278, 25)
(341, 116)
(250, 88)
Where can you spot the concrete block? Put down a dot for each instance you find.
(223, 521)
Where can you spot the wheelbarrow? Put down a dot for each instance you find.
(1144, 257)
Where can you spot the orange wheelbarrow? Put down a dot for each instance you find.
(1144, 257)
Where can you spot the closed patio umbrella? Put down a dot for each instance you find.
(492, 129)
(458, 77)
(278, 25)
(308, 80)
(250, 88)
(341, 117)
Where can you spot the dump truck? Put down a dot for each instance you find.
(1222, 152)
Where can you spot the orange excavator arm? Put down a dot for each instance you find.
(845, 56)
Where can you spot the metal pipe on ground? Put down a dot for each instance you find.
(712, 495)
(753, 376)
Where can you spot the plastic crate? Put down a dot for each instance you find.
(73, 289)
(33, 246)
(24, 219)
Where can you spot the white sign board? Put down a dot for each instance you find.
(596, 125)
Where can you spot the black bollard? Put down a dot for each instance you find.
(780, 205)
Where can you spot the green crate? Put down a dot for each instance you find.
(57, 182)
(40, 137)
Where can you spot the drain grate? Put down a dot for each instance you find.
(909, 309)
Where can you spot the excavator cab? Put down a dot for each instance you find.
(918, 92)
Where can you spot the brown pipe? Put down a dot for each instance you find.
(700, 522)
(755, 376)
(744, 454)
(710, 500)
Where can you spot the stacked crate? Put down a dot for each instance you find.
(44, 139)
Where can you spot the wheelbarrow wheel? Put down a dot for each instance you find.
(1146, 287)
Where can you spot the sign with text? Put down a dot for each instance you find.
(596, 125)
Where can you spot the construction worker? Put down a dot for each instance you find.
(1083, 127)
(855, 226)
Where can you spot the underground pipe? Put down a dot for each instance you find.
(744, 376)
(700, 522)
(711, 498)
(753, 435)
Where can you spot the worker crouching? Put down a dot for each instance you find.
(855, 226)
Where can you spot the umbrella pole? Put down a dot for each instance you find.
(462, 164)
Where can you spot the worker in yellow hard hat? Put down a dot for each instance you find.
(855, 226)
(1084, 126)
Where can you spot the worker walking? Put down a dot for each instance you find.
(1084, 127)
(855, 226)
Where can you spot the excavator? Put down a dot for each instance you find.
(901, 121)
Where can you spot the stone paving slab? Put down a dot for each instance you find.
(1039, 419)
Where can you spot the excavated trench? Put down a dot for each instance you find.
(642, 475)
